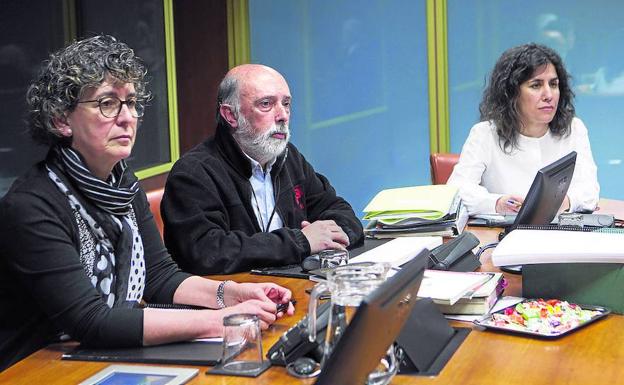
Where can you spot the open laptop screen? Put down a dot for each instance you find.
(375, 325)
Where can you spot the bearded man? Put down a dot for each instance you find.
(247, 198)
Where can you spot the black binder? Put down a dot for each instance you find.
(183, 353)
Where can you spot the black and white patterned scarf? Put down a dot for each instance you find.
(111, 249)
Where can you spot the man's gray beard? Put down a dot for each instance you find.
(263, 148)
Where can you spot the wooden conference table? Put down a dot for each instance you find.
(591, 355)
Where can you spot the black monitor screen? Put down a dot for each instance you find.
(365, 340)
(547, 192)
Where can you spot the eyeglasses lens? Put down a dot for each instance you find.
(111, 107)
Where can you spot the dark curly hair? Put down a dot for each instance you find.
(500, 98)
(68, 72)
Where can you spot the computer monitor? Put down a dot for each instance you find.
(545, 197)
(375, 325)
(547, 192)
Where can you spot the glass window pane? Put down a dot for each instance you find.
(358, 76)
(587, 35)
(22, 48)
(141, 26)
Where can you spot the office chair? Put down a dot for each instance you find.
(154, 197)
(442, 166)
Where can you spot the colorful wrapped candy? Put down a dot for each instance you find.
(549, 317)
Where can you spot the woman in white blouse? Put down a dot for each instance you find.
(527, 122)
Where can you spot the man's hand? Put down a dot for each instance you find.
(264, 310)
(323, 235)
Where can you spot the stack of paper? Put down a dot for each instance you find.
(398, 251)
(447, 287)
(479, 301)
(501, 303)
(416, 211)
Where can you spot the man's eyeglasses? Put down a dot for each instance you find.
(110, 106)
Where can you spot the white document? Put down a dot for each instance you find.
(500, 304)
(398, 251)
(447, 287)
(523, 246)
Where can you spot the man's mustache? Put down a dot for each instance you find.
(281, 129)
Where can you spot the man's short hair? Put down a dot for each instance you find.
(229, 93)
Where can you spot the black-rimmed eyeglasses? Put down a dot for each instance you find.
(110, 106)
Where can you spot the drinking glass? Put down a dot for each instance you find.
(242, 344)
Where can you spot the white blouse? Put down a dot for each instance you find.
(485, 172)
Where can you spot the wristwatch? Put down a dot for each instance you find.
(220, 294)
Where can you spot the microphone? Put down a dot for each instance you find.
(276, 196)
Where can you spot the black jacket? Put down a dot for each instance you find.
(209, 223)
(43, 286)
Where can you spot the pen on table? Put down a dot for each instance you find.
(281, 307)
(473, 290)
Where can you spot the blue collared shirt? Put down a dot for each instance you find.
(262, 198)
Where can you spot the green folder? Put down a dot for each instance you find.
(431, 202)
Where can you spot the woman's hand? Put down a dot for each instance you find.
(565, 206)
(263, 309)
(509, 204)
(270, 293)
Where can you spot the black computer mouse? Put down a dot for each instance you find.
(310, 263)
(303, 367)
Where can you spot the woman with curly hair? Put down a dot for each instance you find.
(80, 250)
(527, 122)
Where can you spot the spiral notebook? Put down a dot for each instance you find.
(547, 244)
(496, 220)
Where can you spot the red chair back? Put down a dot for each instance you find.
(154, 198)
(442, 166)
